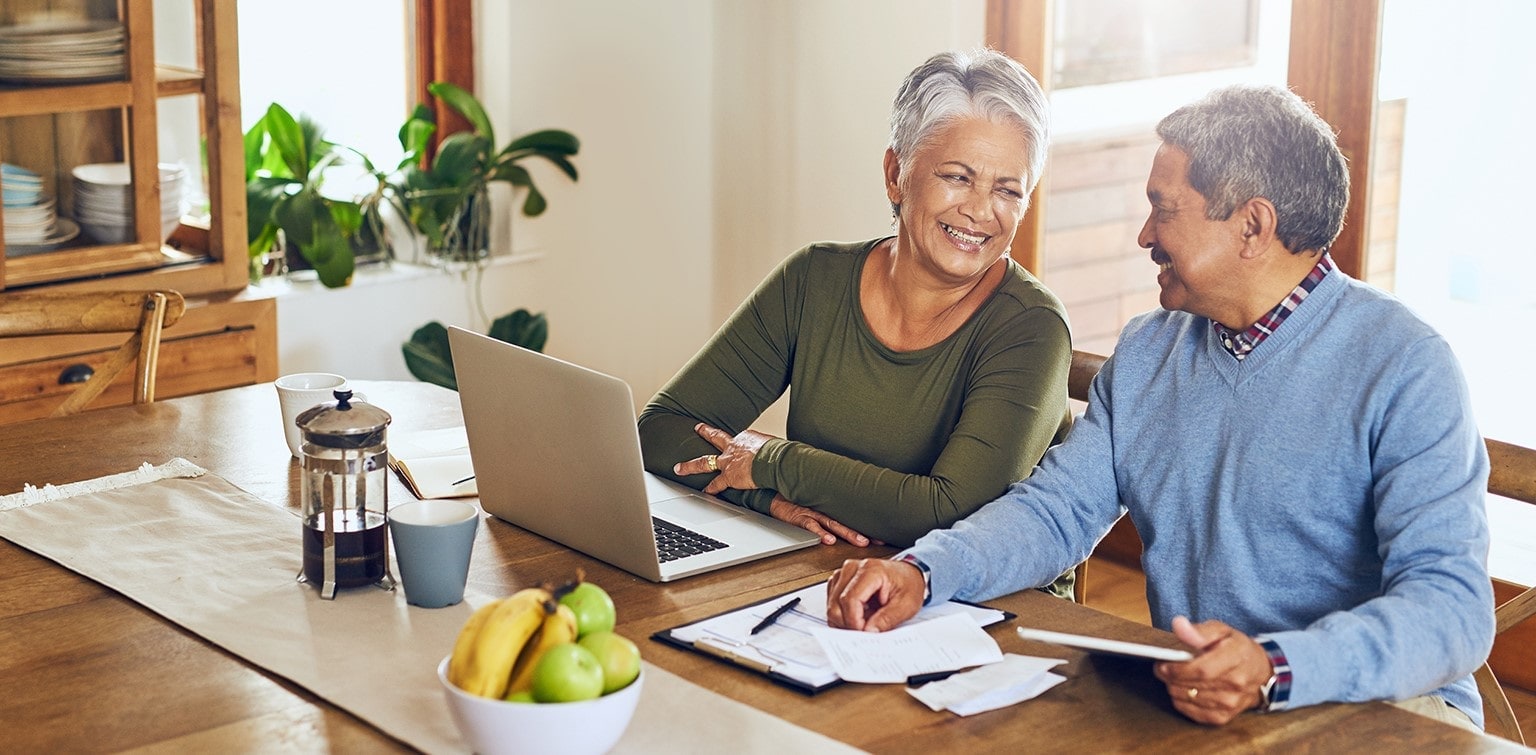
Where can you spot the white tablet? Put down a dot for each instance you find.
(1103, 646)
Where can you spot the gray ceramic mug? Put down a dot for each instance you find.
(433, 540)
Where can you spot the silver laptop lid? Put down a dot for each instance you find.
(555, 450)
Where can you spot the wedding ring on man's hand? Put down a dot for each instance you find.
(713, 462)
(1193, 693)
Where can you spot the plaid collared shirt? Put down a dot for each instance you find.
(1239, 345)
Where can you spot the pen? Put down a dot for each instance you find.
(772, 617)
(918, 680)
(466, 479)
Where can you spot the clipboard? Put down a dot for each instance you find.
(784, 654)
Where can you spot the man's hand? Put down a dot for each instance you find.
(1225, 677)
(734, 462)
(819, 524)
(874, 594)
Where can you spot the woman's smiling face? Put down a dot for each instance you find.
(962, 197)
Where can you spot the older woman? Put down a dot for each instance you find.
(928, 369)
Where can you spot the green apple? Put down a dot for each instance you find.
(567, 673)
(618, 656)
(594, 609)
(521, 696)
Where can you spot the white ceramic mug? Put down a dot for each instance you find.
(300, 391)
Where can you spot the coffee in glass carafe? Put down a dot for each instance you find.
(345, 495)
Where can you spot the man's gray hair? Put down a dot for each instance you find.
(980, 83)
(1249, 141)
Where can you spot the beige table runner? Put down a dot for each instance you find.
(210, 557)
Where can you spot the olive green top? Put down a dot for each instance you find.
(892, 444)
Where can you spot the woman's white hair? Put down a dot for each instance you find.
(979, 83)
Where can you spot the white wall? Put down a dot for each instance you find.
(716, 139)
(625, 275)
(802, 102)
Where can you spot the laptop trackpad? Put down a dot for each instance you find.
(692, 510)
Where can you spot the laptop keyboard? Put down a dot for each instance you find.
(674, 542)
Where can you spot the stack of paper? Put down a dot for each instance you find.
(801, 647)
(1016, 679)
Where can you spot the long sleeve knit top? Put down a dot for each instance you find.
(889, 443)
(1326, 492)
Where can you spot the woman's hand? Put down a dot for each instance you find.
(733, 463)
(819, 524)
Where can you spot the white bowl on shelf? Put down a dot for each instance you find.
(107, 233)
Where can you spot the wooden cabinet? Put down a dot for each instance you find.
(51, 124)
(223, 340)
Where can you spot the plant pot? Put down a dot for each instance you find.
(371, 245)
(466, 237)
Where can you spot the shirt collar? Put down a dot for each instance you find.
(1240, 344)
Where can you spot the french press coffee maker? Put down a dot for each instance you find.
(345, 495)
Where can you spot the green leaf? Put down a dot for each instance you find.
(262, 193)
(348, 216)
(514, 174)
(335, 271)
(554, 140)
(317, 152)
(522, 328)
(417, 130)
(563, 164)
(535, 204)
(428, 356)
(288, 139)
(296, 215)
(507, 168)
(465, 103)
(253, 142)
(460, 159)
(263, 241)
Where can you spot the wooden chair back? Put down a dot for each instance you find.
(141, 314)
(1511, 474)
(1085, 366)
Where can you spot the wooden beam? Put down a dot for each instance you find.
(1334, 49)
(1021, 29)
(445, 51)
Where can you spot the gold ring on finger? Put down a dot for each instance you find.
(713, 462)
(1193, 693)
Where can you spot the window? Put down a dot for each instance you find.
(1454, 246)
(1150, 38)
(348, 64)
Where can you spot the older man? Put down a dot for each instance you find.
(1296, 448)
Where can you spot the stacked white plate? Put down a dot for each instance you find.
(31, 223)
(104, 200)
(62, 51)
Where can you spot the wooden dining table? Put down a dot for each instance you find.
(84, 668)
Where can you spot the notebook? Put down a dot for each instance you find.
(555, 451)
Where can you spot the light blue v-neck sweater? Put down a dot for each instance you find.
(1327, 492)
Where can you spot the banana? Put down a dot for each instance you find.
(464, 645)
(558, 628)
(498, 643)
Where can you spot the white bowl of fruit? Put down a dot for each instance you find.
(543, 671)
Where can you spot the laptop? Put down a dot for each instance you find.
(556, 451)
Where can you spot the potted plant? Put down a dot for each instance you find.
(445, 199)
(286, 160)
(428, 357)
